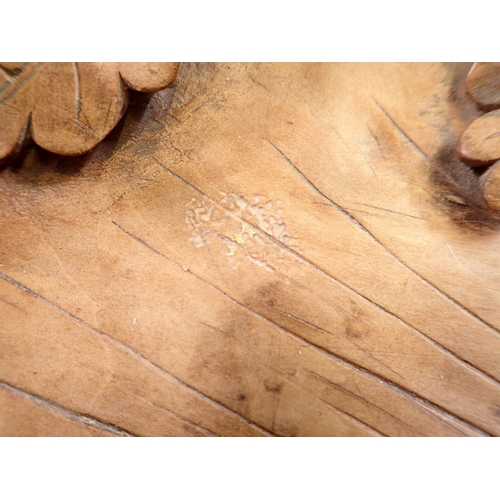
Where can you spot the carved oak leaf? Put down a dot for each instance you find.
(68, 108)
(490, 184)
(483, 84)
(479, 144)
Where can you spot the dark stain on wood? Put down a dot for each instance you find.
(459, 192)
(272, 386)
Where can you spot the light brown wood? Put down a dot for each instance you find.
(68, 108)
(148, 77)
(288, 249)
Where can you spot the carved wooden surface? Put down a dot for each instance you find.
(68, 108)
(274, 249)
(479, 144)
(490, 182)
(483, 85)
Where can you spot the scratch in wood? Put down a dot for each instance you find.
(197, 428)
(278, 393)
(217, 265)
(177, 149)
(321, 296)
(78, 123)
(174, 118)
(405, 354)
(354, 420)
(415, 145)
(366, 160)
(303, 321)
(376, 140)
(368, 353)
(331, 334)
(212, 326)
(441, 415)
(475, 284)
(301, 388)
(363, 212)
(177, 176)
(84, 116)
(117, 200)
(257, 83)
(162, 125)
(372, 236)
(81, 418)
(107, 114)
(195, 110)
(387, 210)
(36, 222)
(318, 294)
(347, 391)
(78, 105)
(353, 379)
(401, 298)
(123, 347)
(496, 134)
(453, 253)
(13, 305)
(208, 100)
(341, 139)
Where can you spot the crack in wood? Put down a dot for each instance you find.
(347, 391)
(353, 419)
(82, 418)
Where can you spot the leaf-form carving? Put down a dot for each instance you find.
(483, 85)
(490, 183)
(68, 108)
(479, 144)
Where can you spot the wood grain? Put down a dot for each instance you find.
(267, 249)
